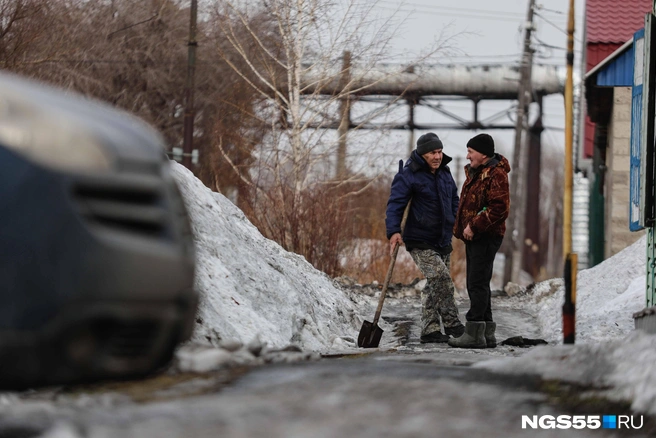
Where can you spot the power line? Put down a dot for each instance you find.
(133, 25)
(548, 46)
(507, 55)
(448, 9)
(550, 132)
(401, 58)
(551, 23)
(452, 14)
(473, 58)
(553, 11)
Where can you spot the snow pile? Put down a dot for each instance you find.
(251, 288)
(625, 366)
(607, 296)
(609, 353)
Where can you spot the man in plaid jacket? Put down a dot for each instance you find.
(481, 224)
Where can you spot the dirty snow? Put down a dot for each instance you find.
(254, 292)
(251, 288)
(607, 296)
(625, 366)
(608, 352)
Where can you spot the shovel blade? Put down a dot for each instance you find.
(370, 335)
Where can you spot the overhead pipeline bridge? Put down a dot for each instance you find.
(433, 87)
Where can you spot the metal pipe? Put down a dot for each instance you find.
(484, 81)
(189, 114)
(571, 260)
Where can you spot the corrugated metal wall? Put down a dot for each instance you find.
(636, 132)
(618, 73)
(580, 218)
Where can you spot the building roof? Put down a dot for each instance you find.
(611, 58)
(614, 21)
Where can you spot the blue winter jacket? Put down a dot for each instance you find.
(434, 203)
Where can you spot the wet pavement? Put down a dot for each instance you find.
(412, 390)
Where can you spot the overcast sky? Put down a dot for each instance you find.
(488, 33)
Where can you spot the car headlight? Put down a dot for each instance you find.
(50, 138)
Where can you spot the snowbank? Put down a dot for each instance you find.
(252, 288)
(607, 295)
(609, 353)
(625, 366)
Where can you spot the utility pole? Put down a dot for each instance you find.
(345, 120)
(189, 113)
(412, 103)
(517, 198)
(532, 250)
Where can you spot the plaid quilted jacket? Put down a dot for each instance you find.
(484, 199)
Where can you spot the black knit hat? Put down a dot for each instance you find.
(428, 143)
(483, 143)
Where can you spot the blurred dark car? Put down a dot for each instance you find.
(96, 251)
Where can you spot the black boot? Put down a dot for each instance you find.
(456, 331)
(435, 337)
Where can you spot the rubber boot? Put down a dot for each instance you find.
(490, 339)
(474, 336)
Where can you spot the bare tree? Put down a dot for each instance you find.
(296, 67)
(133, 54)
(22, 22)
(269, 77)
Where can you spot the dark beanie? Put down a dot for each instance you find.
(428, 143)
(482, 143)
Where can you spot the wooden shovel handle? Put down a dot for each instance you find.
(390, 269)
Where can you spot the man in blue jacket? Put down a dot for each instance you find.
(427, 180)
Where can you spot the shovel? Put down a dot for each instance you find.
(370, 333)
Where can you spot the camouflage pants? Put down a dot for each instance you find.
(437, 296)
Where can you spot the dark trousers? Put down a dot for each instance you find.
(480, 262)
